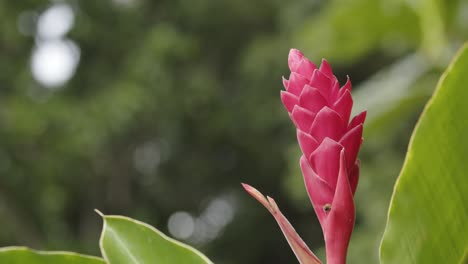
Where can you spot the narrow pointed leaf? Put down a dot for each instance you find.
(302, 252)
(428, 216)
(23, 255)
(128, 241)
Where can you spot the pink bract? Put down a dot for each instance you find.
(330, 143)
(321, 111)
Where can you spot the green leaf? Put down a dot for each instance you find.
(428, 216)
(128, 241)
(23, 255)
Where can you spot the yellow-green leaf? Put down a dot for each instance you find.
(128, 241)
(23, 255)
(428, 215)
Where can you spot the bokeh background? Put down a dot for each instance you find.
(159, 109)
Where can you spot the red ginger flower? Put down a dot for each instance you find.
(321, 111)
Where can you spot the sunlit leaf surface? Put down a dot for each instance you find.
(428, 216)
(128, 241)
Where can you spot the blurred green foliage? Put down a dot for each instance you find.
(174, 103)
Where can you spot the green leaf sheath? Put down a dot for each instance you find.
(428, 215)
(127, 241)
(23, 255)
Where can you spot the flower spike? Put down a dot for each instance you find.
(330, 142)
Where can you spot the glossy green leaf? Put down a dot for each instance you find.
(23, 255)
(428, 216)
(128, 241)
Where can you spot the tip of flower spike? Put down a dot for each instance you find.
(294, 57)
(295, 53)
